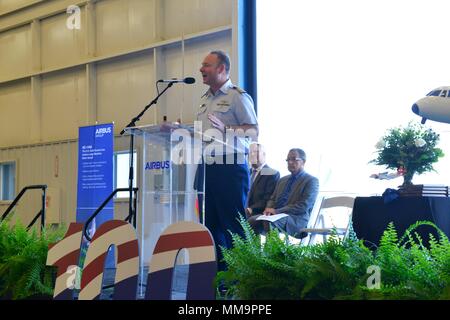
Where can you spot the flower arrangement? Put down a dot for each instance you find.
(409, 150)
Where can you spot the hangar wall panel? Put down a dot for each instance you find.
(15, 56)
(60, 45)
(54, 79)
(14, 114)
(63, 104)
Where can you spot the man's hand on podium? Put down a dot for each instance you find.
(170, 126)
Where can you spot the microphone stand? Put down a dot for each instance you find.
(131, 209)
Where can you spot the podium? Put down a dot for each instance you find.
(169, 190)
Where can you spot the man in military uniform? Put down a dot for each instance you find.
(225, 108)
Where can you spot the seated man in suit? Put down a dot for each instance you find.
(263, 180)
(294, 195)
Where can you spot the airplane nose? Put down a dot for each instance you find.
(415, 109)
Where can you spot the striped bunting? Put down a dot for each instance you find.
(64, 255)
(123, 236)
(197, 240)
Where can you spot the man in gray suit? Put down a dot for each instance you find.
(294, 195)
(263, 180)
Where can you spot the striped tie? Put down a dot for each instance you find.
(253, 176)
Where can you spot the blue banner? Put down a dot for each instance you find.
(95, 172)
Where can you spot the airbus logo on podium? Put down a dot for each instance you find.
(157, 165)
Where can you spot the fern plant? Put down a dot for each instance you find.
(23, 254)
(337, 269)
(281, 270)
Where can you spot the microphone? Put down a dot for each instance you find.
(188, 80)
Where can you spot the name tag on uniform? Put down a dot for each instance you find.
(223, 104)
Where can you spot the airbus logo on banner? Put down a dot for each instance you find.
(157, 165)
(100, 132)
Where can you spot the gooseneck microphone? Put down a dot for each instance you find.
(188, 80)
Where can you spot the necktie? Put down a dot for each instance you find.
(282, 200)
(253, 176)
(252, 179)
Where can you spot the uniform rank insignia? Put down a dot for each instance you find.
(240, 90)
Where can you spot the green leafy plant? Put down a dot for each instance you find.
(23, 254)
(337, 269)
(411, 149)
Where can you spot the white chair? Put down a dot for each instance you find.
(322, 224)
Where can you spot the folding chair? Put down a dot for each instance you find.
(318, 222)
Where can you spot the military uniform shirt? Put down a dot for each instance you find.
(232, 105)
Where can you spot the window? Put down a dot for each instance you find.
(121, 172)
(7, 181)
(434, 93)
(347, 48)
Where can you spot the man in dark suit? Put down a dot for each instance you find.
(294, 195)
(263, 180)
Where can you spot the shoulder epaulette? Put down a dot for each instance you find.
(240, 90)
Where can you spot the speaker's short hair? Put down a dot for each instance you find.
(223, 59)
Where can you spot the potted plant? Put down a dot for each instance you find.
(409, 150)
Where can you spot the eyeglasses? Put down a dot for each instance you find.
(293, 159)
